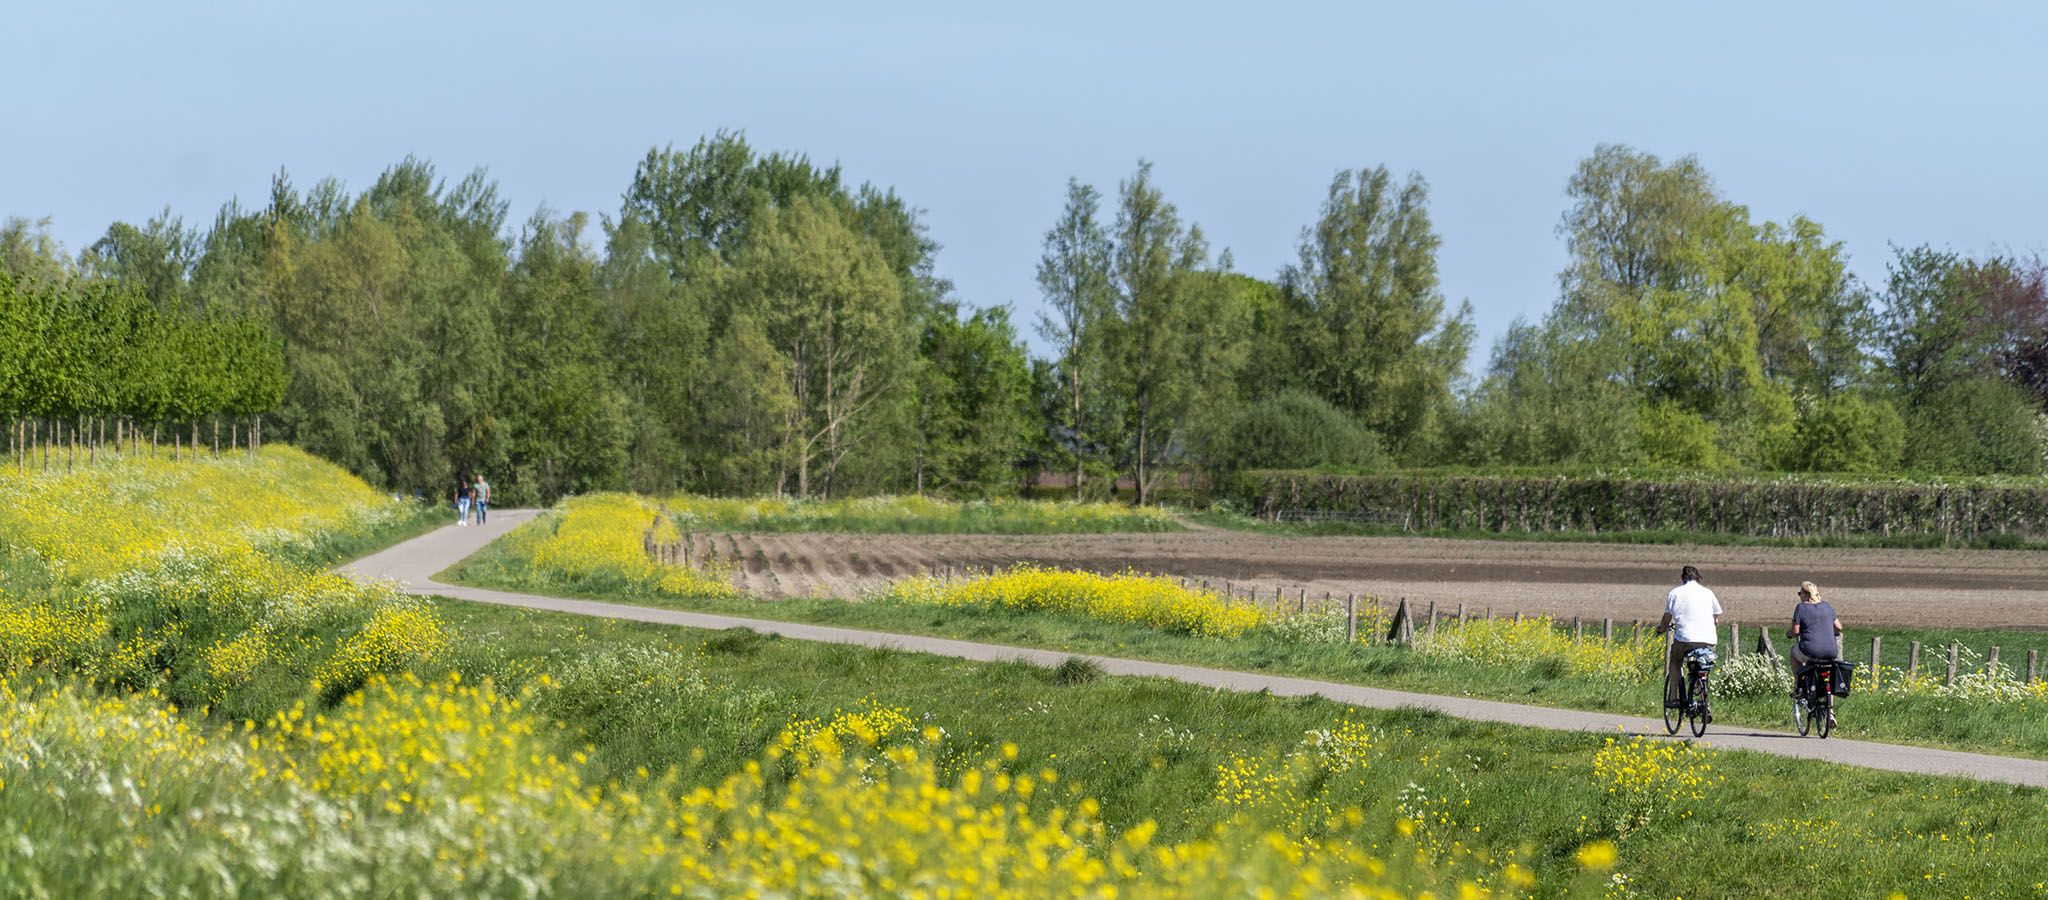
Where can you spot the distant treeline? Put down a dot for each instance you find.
(749, 323)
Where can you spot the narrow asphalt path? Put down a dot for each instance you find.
(413, 564)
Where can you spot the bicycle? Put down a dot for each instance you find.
(1692, 706)
(1813, 700)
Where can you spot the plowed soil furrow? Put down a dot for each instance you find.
(1905, 588)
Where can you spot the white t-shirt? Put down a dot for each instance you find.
(1693, 608)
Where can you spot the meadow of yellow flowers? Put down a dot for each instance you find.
(148, 606)
(189, 578)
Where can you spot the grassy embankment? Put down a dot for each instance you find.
(426, 785)
(1147, 749)
(187, 708)
(1531, 662)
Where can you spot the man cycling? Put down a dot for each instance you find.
(1695, 612)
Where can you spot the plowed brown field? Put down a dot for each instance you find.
(1901, 588)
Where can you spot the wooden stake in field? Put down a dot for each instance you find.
(1953, 649)
(1876, 649)
(1913, 659)
(1432, 621)
(1734, 639)
(2033, 657)
(1578, 630)
(1991, 660)
(1400, 631)
(1351, 618)
(1461, 614)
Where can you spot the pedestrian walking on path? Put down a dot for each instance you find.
(483, 497)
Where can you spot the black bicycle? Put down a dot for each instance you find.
(1813, 700)
(1692, 706)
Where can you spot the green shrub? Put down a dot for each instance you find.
(1293, 430)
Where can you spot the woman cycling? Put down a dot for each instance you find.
(1816, 632)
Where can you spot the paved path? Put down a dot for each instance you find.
(414, 562)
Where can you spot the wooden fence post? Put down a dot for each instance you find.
(1876, 660)
(1351, 618)
(1734, 639)
(1301, 600)
(1764, 645)
(1607, 630)
(2033, 657)
(1398, 627)
(1913, 659)
(1518, 617)
(1953, 649)
(1578, 630)
(1461, 614)
(1991, 661)
(1432, 621)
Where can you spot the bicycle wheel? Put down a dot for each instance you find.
(1674, 716)
(1823, 715)
(1699, 706)
(1801, 716)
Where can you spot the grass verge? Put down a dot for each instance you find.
(1748, 825)
(2009, 728)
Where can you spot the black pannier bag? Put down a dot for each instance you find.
(1845, 675)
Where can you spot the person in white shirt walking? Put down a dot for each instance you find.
(1696, 614)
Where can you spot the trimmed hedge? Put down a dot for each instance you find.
(1423, 502)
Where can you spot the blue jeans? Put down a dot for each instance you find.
(480, 505)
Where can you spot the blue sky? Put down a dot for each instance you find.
(1884, 122)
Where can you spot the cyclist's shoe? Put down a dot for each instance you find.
(1710, 718)
(1831, 718)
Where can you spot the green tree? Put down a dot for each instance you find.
(831, 307)
(1074, 278)
(1177, 337)
(155, 259)
(566, 420)
(1551, 397)
(1373, 338)
(1848, 432)
(973, 401)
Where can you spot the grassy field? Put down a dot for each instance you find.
(1512, 667)
(280, 732)
(1687, 824)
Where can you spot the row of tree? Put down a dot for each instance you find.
(751, 322)
(88, 361)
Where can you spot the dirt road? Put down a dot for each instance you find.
(1903, 588)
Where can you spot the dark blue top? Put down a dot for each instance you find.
(1816, 623)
